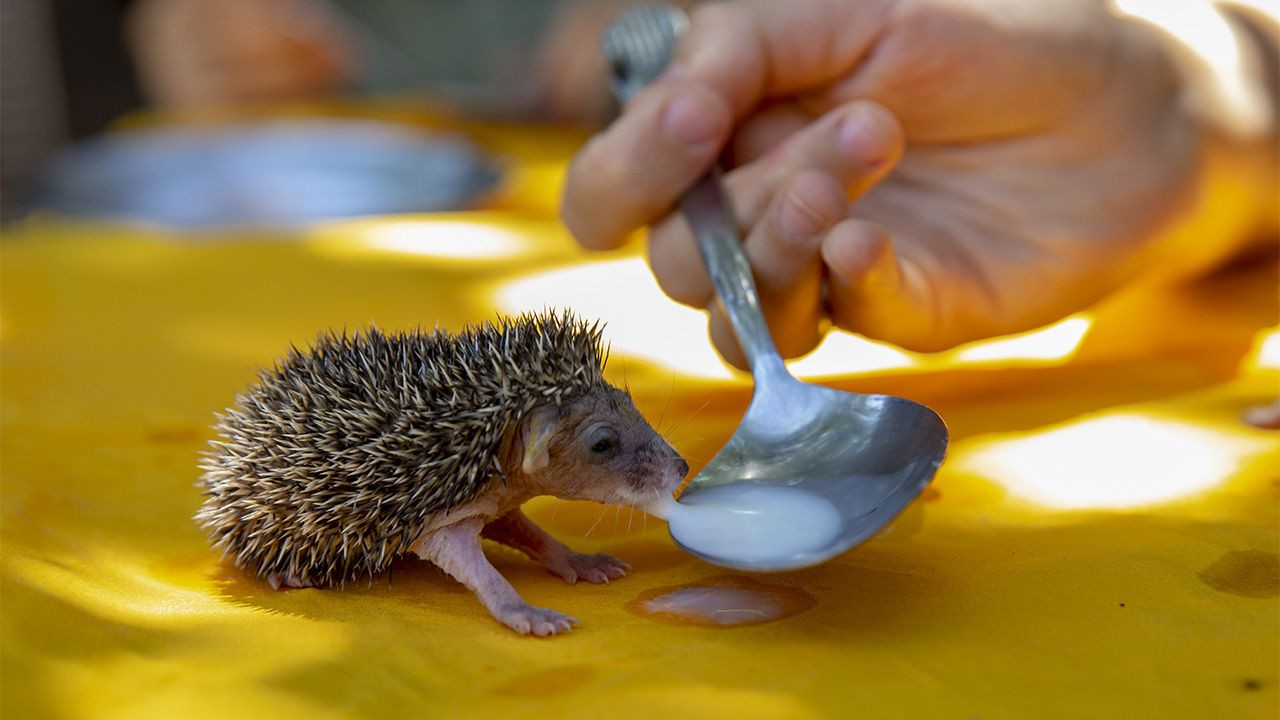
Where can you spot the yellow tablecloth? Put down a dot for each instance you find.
(1102, 541)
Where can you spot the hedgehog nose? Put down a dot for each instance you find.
(682, 467)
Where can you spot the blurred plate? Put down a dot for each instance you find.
(273, 174)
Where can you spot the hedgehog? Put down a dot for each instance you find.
(372, 445)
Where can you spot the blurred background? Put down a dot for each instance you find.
(212, 80)
(64, 74)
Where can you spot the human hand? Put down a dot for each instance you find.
(949, 169)
(214, 53)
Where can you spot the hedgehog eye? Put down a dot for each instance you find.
(604, 441)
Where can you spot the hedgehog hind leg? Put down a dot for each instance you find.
(284, 581)
(516, 530)
(456, 550)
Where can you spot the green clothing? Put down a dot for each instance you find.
(478, 53)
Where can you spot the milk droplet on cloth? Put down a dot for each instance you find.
(717, 605)
(721, 602)
(750, 523)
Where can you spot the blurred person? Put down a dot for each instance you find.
(64, 75)
(528, 59)
(522, 60)
(932, 172)
(68, 73)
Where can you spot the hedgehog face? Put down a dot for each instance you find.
(600, 448)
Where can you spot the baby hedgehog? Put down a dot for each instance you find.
(368, 446)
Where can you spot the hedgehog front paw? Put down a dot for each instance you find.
(529, 620)
(593, 568)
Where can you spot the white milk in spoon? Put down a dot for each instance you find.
(750, 523)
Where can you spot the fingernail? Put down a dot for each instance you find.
(863, 137)
(692, 119)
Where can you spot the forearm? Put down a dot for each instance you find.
(1226, 55)
(1253, 142)
(1260, 35)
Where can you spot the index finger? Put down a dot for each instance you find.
(633, 172)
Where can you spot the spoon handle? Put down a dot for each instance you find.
(638, 46)
(706, 210)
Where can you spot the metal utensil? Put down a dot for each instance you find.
(868, 455)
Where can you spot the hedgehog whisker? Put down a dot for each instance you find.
(670, 391)
(691, 456)
(694, 414)
(597, 522)
(677, 424)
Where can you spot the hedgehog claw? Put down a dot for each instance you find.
(529, 620)
(596, 568)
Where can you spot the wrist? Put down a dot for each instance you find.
(1226, 68)
(1259, 33)
(1222, 67)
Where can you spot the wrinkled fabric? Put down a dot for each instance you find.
(1101, 542)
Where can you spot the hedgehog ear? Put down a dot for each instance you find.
(540, 425)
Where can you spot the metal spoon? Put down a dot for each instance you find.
(868, 455)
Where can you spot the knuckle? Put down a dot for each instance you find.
(750, 188)
(818, 195)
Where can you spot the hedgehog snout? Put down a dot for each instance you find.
(657, 469)
(676, 474)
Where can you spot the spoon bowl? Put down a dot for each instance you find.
(867, 456)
